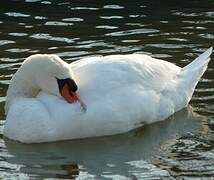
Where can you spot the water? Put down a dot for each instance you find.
(180, 147)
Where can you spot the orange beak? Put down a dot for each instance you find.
(71, 97)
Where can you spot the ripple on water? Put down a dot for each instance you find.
(51, 38)
(106, 27)
(121, 49)
(21, 24)
(32, 1)
(207, 36)
(17, 50)
(111, 17)
(209, 14)
(171, 46)
(93, 44)
(16, 14)
(87, 42)
(73, 19)
(185, 14)
(198, 22)
(18, 34)
(178, 39)
(113, 7)
(130, 40)
(46, 2)
(84, 8)
(63, 3)
(58, 23)
(194, 27)
(136, 15)
(190, 156)
(133, 32)
(4, 42)
(144, 170)
(161, 56)
(164, 22)
(73, 54)
(40, 17)
(136, 24)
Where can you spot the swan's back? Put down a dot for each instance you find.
(123, 71)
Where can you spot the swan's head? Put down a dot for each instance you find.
(52, 75)
(47, 73)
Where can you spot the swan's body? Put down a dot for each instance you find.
(122, 92)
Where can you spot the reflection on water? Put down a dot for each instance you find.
(176, 31)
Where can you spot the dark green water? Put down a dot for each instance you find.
(181, 147)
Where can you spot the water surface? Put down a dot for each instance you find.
(180, 147)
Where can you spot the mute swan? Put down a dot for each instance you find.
(49, 100)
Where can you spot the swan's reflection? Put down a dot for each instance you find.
(105, 155)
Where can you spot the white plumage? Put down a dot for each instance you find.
(122, 92)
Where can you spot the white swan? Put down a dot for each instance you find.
(121, 92)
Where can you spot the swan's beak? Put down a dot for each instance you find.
(70, 97)
(68, 90)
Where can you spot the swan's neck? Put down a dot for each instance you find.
(20, 87)
(38, 72)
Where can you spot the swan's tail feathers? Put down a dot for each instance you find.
(191, 74)
(196, 69)
(200, 61)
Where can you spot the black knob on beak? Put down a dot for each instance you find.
(70, 82)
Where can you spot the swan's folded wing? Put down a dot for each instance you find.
(157, 74)
(124, 71)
